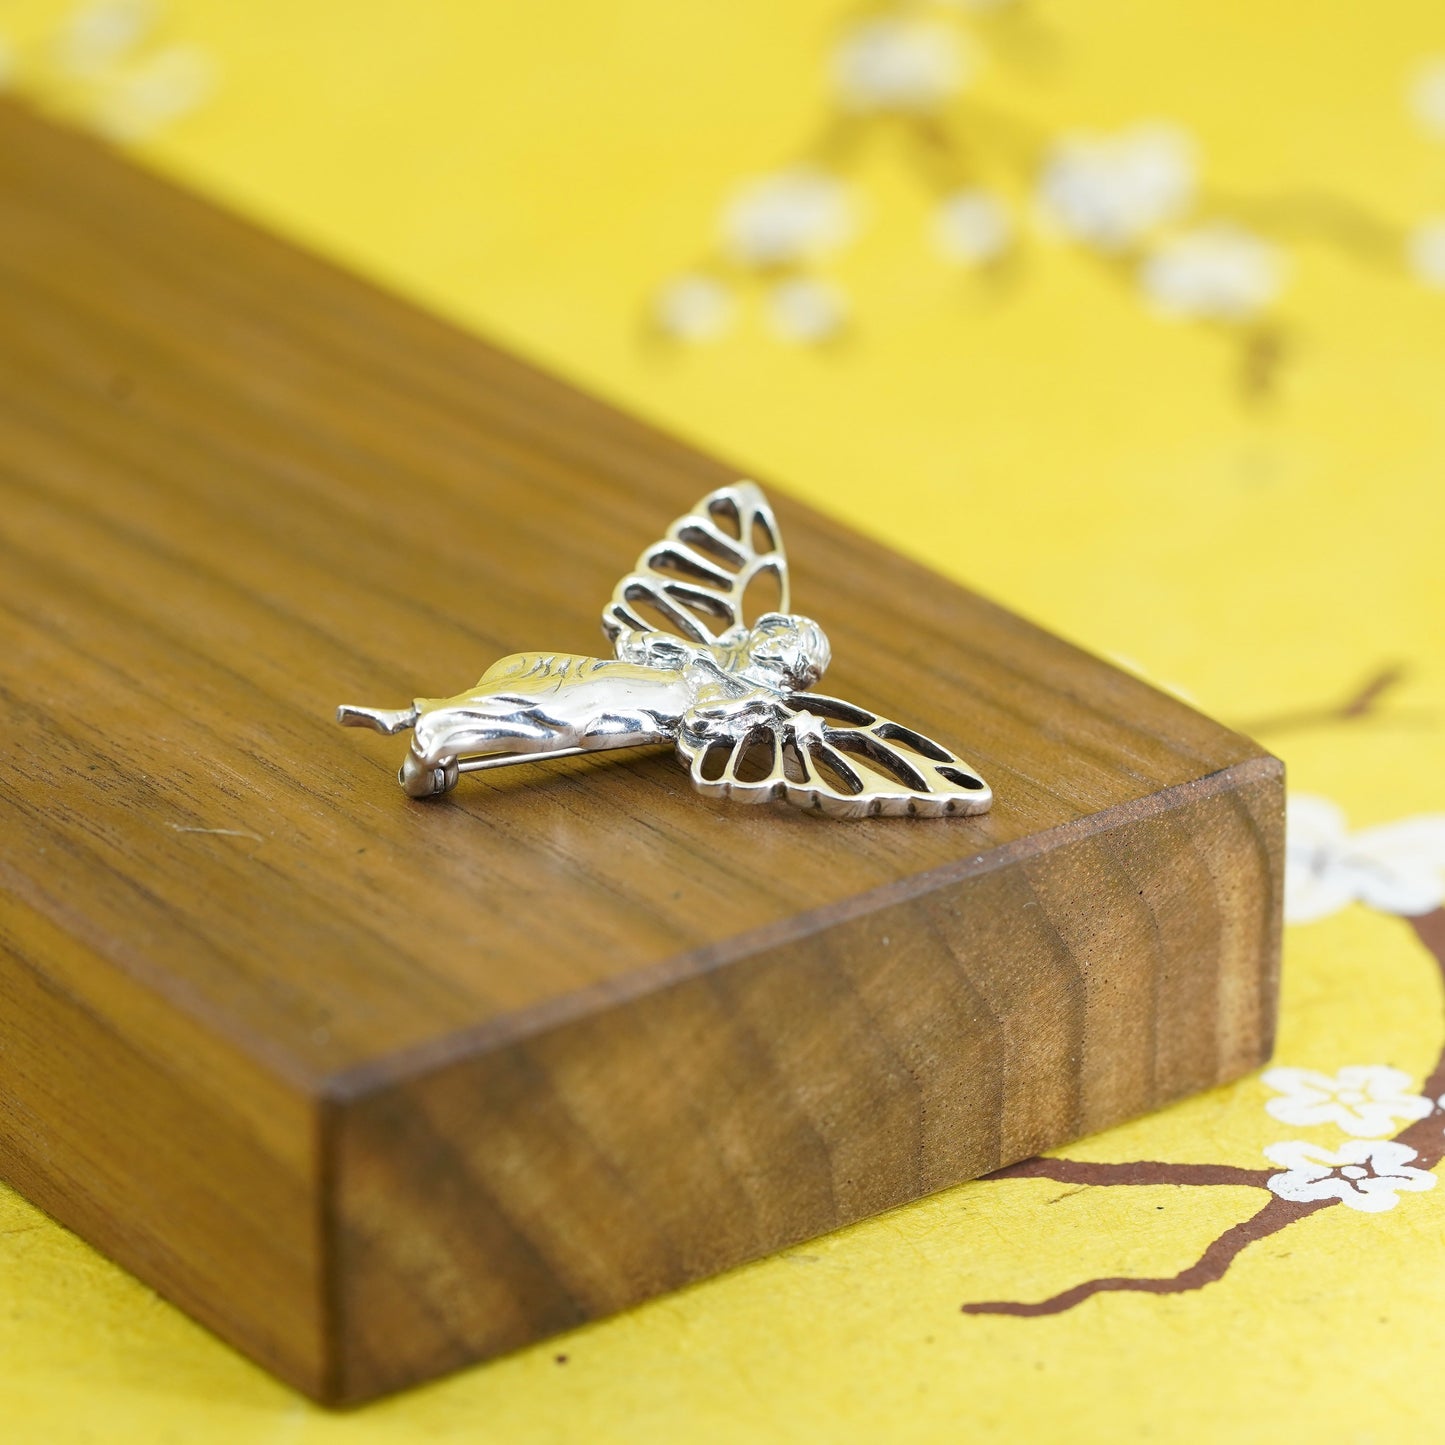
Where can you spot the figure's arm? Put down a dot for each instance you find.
(649, 648)
(709, 677)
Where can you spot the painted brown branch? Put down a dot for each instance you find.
(1362, 703)
(1208, 1268)
(1319, 216)
(1426, 1136)
(1264, 350)
(1143, 1171)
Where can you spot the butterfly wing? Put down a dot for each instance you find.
(827, 755)
(693, 582)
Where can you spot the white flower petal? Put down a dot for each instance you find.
(1426, 252)
(168, 85)
(1364, 1176)
(1313, 821)
(1370, 1196)
(694, 308)
(1109, 192)
(1397, 867)
(1303, 1114)
(806, 309)
(1409, 892)
(894, 63)
(1300, 1156)
(1304, 1186)
(1374, 1195)
(1424, 833)
(1427, 95)
(1365, 1100)
(1379, 1080)
(1309, 1082)
(100, 33)
(1369, 1121)
(1388, 1156)
(1420, 839)
(785, 218)
(972, 226)
(1312, 893)
(1219, 272)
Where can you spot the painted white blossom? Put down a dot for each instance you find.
(101, 33)
(804, 308)
(972, 226)
(1365, 1100)
(1218, 272)
(1426, 246)
(1164, 684)
(694, 308)
(147, 96)
(1427, 95)
(1111, 191)
(1361, 1175)
(897, 63)
(1396, 867)
(789, 217)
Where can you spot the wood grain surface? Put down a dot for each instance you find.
(377, 1088)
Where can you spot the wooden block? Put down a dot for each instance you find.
(376, 1088)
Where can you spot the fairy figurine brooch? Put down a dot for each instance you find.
(687, 669)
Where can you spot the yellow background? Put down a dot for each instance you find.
(536, 171)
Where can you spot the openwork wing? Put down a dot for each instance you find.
(693, 582)
(828, 755)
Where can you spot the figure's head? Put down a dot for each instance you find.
(787, 651)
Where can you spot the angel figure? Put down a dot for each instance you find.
(687, 669)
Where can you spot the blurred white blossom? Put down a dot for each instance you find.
(1164, 684)
(972, 226)
(146, 96)
(806, 309)
(1363, 1176)
(1110, 191)
(1217, 271)
(1427, 95)
(1362, 1099)
(99, 34)
(694, 308)
(1427, 252)
(104, 66)
(1396, 867)
(897, 63)
(789, 217)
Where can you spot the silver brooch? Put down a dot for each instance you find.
(688, 670)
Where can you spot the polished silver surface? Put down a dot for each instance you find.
(690, 668)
